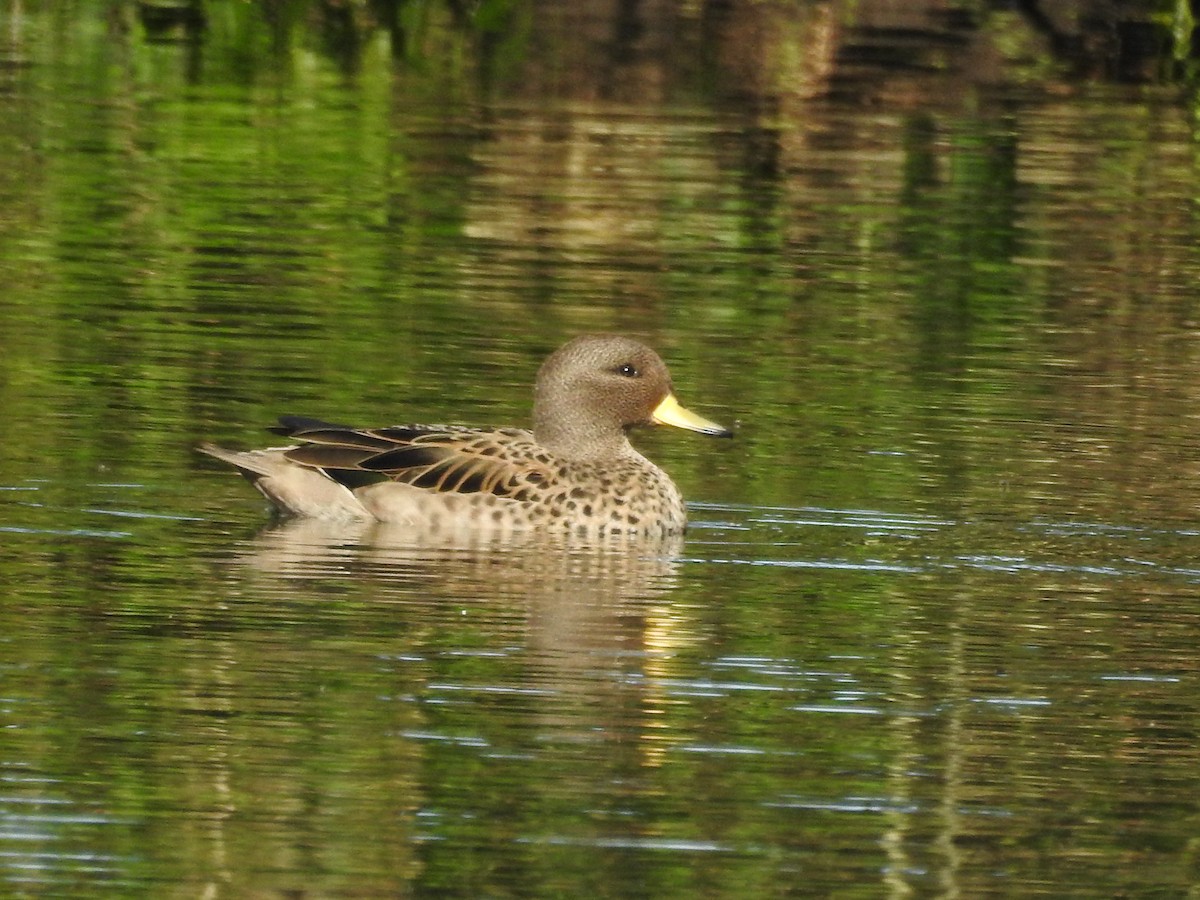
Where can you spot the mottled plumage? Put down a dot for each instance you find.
(576, 471)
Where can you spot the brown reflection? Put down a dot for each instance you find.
(582, 614)
(421, 646)
(576, 596)
(863, 51)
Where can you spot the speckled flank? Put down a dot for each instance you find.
(575, 472)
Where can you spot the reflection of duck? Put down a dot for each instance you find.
(575, 472)
(412, 651)
(568, 594)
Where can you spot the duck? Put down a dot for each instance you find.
(575, 472)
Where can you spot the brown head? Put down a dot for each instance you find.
(593, 389)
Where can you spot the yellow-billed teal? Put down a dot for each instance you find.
(575, 472)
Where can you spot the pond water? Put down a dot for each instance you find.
(934, 628)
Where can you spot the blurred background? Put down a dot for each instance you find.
(933, 631)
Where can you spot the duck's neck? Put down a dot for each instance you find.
(580, 438)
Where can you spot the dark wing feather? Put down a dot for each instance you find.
(447, 459)
(327, 456)
(317, 432)
(295, 425)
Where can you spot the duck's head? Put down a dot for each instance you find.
(593, 389)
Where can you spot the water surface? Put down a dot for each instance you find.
(933, 629)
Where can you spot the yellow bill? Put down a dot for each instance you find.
(669, 412)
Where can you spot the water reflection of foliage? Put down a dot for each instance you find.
(1150, 40)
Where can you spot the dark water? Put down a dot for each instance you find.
(934, 629)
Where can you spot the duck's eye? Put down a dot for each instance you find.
(629, 370)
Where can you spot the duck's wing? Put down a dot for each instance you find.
(438, 458)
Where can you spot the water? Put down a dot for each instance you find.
(933, 629)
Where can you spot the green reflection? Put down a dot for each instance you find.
(960, 295)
